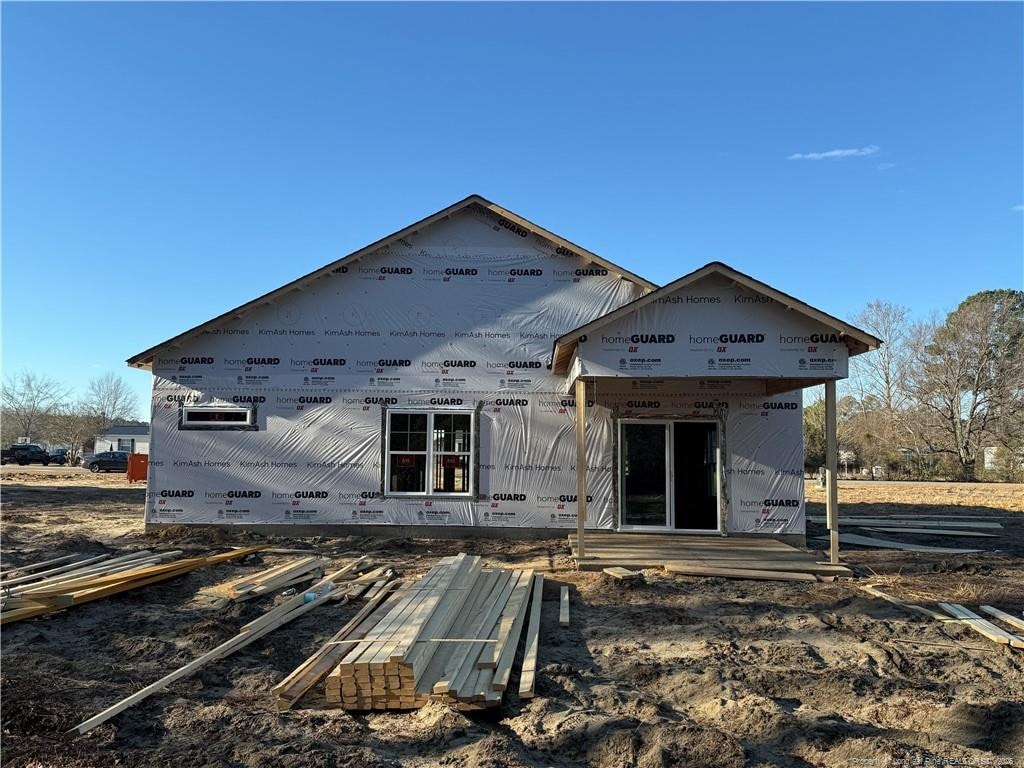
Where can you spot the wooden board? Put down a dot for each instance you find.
(697, 569)
(935, 532)
(927, 522)
(1013, 621)
(982, 626)
(868, 541)
(621, 574)
(528, 676)
(563, 608)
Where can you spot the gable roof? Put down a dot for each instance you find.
(857, 340)
(145, 359)
(126, 429)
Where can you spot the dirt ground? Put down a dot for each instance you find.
(676, 671)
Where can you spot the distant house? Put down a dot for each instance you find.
(123, 437)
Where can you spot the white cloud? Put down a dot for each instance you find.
(1018, 208)
(835, 153)
(886, 166)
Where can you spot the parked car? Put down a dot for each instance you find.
(108, 461)
(25, 454)
(59, 456)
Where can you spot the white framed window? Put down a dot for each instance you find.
(429, 453)
(217, 417)
(126, 444)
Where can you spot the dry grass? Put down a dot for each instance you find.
(936, 588)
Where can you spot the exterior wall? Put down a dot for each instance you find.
(463, 314)
(460, 316)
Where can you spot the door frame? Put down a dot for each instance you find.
(670, 476)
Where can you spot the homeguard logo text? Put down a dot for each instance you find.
(709, 404)
(430, 364)
(814, 338)
(565, 498)
(591, 272)
(781, 503)
(526, 272)
(311, 494)
(729, 338)
(643, 404)
(563, 251)
(768, 405)
(248, 399)
(508, 497)
(183, 398)
(653, 338)
(396, 270)
(196, 361)
(177, 494)
(311, 400)
(263, 361)
(512, 227)
(327, 361)
(459, 271)
(244, 494)
(524, 364)
(511, 401)
(446, 401)
(388, 363)
(380, 400)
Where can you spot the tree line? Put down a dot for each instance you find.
(45, 411)
(942, 398)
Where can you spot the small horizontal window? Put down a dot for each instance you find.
(216, 417)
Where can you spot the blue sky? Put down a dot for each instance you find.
(165, 162)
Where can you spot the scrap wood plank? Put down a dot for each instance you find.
(699, 569)
(868, 541)
(933, 531)
(621, 573)
(1013, 621)
(873, 590)
(224, 649)
(982, 626)
(528, 676)
(931, 523)
(105, 590)
(52, 571)
(36, 566)
(563, 607)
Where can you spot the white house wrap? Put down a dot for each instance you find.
(423, 380)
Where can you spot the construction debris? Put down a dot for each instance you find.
(868, 541)
(452, 636)
(622, 574)
(982, 626)
(1013, 621)
(38, 594)
(322, 592)
(563, 608)
(271, 580)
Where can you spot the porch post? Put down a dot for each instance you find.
(581, 464)
(831, 467)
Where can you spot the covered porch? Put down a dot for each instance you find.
(720, 348)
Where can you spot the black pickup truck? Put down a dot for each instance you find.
(25, 454)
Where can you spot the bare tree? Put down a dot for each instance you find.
(883, 373)
(72, 425)
(29, 399)
(111, 400)
(968, 374)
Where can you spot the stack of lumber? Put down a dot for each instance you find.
(342, 585)
(271, 580)
(40, 592)
(451, 636)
